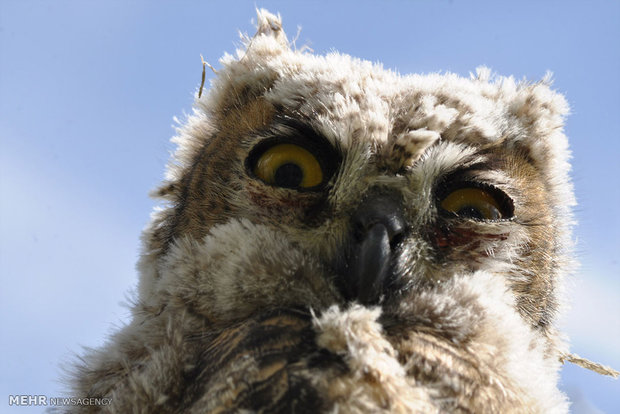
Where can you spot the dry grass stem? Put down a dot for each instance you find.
(587, 364)
(202, 82)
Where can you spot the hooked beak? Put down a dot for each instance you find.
(378, 226)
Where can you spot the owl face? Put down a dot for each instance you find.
(341, 237)
(306, 180)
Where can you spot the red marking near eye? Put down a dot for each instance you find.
(456, 237)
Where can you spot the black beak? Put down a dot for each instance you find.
(378, 227)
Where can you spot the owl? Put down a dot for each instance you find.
(337, 237)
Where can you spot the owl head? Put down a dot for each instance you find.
(430, 205)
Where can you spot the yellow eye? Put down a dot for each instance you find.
(289, 166)
(476, 203)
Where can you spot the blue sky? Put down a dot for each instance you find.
(88, 92)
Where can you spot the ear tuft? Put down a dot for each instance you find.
(270, 25)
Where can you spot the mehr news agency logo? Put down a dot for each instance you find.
(43, 400)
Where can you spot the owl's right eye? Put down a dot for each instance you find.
(291, 165)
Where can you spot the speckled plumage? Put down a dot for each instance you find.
(241, 304)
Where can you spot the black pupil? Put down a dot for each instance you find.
(288, 175)
(473, 212)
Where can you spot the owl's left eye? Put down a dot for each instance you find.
(478, 203)
(290, 165)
